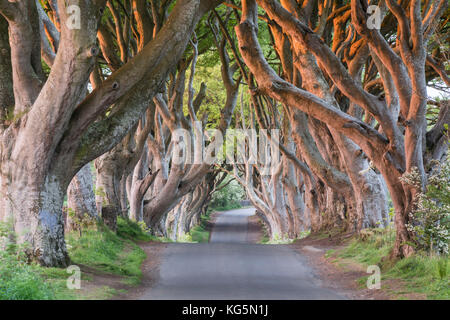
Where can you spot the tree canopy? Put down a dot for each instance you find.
(339, 89)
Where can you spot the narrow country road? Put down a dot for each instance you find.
(231, 268)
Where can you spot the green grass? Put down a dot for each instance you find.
(19, 281)
(132, 230)
(199, 234)
(22, 281)
(329, 253)
(366, 252)
(97, 248)
(129, 229)
(424, 274)
(421, 273)
(57, 279)
(106, 251)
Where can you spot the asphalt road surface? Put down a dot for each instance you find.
(229, 268)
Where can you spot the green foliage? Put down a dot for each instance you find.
(80, 223)
(329, 253)
(104, 250)
(97, 247)
(199, 234)
(424, 274)
(430, 221)
(228, 197)
(100, 192)
(18, 280)
(139, 231)
(11, 117)
(265, 239)
(215, 93)
(133, 230)
(442, 267)
(185, 237)
(371, 247)
(129, 229)
(208, 71)
(421, 273)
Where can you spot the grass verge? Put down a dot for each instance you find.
(97, 249)
(422, 273)
(19, 281)
(200, 233)
(132, 230)
(106, 251)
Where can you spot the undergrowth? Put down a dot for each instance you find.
(20, 280)
(136, 231)
(422, 273)
(104, 250)
(98, 248)
(200, 232)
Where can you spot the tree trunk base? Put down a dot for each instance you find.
(109, 216)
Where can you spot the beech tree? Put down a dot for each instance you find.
(179, 179)
(112, 83)
(398, 144)
(330, 194)
(52, 131)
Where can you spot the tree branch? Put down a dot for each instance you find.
(271, 84)
(8, 9)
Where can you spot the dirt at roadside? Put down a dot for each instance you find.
(97, 285)
(343, 274)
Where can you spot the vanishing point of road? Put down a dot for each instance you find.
(231, 268)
